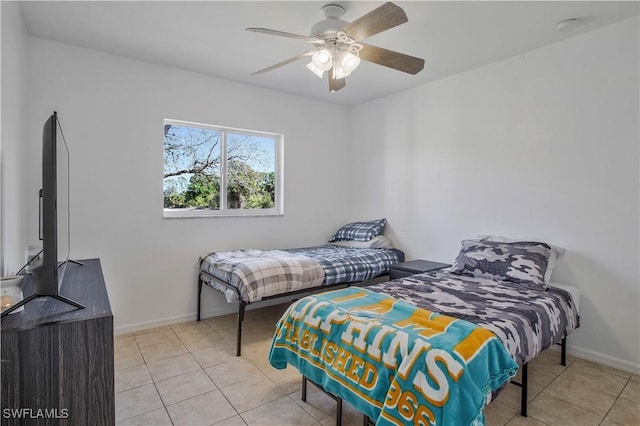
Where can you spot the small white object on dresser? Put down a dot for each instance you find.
(10, 293)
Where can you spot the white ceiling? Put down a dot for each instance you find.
(209, 36)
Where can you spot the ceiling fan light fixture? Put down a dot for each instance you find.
(349, 61)
(317, 71)
(322, 60)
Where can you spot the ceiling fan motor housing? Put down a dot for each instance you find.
(328, 28)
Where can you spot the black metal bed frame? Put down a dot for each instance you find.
(367, 421)
(242, 304)
(524, 384)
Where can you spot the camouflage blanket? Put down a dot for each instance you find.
(527, 320)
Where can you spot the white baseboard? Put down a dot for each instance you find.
(226, 309)
(604, 359)
(140, 326)
(599, 358)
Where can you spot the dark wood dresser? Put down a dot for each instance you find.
(57, 361)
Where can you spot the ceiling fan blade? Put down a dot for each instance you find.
(285, 62)
(389, 58)
(284, 34)
(336, 84)
(381, 19)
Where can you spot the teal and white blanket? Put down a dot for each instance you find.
(396, 363)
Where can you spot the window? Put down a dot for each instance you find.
(218, 171)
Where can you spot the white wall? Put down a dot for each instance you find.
(12, 153)
(111, 109)
(541, 146)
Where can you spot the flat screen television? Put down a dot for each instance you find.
(45, 277)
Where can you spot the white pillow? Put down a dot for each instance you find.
(576, 293)
(556, 252)
(379, 241)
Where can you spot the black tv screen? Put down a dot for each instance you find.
(45, 276)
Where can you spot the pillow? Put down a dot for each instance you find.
(522, 262)
(360, 231)
(379, 241)
(556, 252)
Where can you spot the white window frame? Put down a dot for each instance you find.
(224, 211)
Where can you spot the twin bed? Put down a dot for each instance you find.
(358, 252)
(431, 348)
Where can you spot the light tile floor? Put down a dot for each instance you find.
(187, 374)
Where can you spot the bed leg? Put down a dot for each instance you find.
(304, 389)
(241, 305)
(524, 386)
(199, 296)
(563, 351)
(337, 399)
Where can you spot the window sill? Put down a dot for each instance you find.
(197, 213)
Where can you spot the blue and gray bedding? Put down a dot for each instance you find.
(522, 262)
(526, 319)
(262, 273)
(348, 264)
(360, 231)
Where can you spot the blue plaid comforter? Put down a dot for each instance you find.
(348, 265)
(242, 269)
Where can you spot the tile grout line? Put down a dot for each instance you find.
(571, 403)
(152, 383)
(615, 400)
(219, 388)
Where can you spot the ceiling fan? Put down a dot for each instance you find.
(337, 47)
